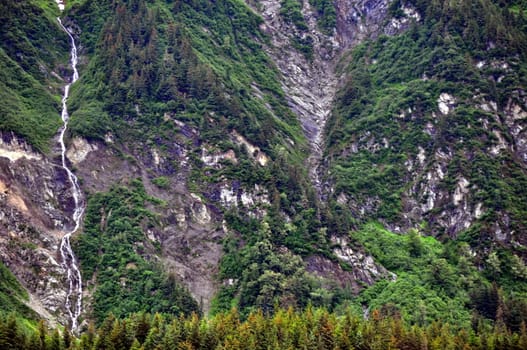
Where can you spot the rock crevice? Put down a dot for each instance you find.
(309, 80)
(309, 77)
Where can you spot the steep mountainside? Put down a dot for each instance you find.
(198, 108)
(267, 154)
(35, 203)
(428, 129)
(31, 59)
(427, 134)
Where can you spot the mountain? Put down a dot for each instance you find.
(358, 156)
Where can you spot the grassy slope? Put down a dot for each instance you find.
(31, 47)
(428, 285)
(12, 295)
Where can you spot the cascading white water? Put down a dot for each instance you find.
(74, 295)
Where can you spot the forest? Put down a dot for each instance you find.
(286, 329)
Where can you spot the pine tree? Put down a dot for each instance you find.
(56, 341)
(13, 338)
(88, 338)
(142, 326)
(137, 346)
(66, 337)
(42, 332)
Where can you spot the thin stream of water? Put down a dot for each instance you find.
(69, 262)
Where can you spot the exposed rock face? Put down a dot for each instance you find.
(364, 270)
(14, 149)
(190, 228)
(311, 83)
(428, 194)
(187, 232)
(35, 202)
(35, 207)
(446, 102)
(213, 159)
(79, 150)
(360, 19)
(192, 246)
(235, 196)
(515, 122)
(254, 151)
(401, 23)
(447, 199)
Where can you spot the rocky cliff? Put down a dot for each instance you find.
(307, 57)
(36, 207)
(190, 225)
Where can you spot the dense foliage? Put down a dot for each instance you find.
(435, 281)
(12, 295)
(327, 15)
(386, 116)
(393, 75)
(291, 10)
(388, 109)
(287, 329)
(201, 62)
(31, 45)
(268, 279)
(115, 253)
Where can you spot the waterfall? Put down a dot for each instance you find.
(69, 262)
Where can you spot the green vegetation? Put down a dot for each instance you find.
(157, 70)
(302, 41)
(291, 10)
(305, 45)
(435, 281)
(268, 279)
(26, 104)
(310, 329)
(115, 252)
(200, 62)
(383, 111)
(381, 118)
(327, 20)
(30, 48)
(427, 286)
(161, 182)
(13, 295)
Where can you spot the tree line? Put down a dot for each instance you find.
(286, 329)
